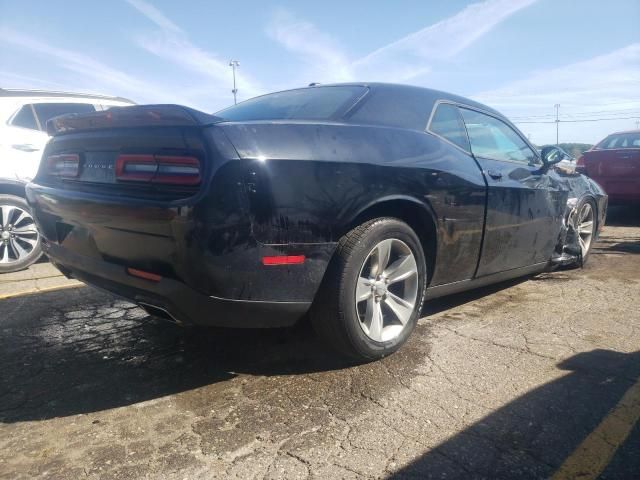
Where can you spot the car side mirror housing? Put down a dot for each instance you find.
(552, 155)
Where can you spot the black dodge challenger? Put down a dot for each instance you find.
(353, 203)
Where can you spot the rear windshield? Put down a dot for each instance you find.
(315, 103)
(620, 140)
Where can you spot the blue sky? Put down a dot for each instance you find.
(519, 56)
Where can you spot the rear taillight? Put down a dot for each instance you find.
(165, 169)
(580, 165)
(64, 165)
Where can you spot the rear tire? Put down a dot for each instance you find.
(373, 290)
(20, 243)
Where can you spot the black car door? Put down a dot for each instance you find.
(525, 203)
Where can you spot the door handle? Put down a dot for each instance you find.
(494, 174)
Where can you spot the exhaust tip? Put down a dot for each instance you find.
(159, 312)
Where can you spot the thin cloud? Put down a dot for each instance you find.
(584, 89)
(171, 43)
(405, 59)
(442, 40)
(612, 78)
(155, 15)
(95, 74)
(320, 51)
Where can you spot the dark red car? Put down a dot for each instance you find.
(615, 164)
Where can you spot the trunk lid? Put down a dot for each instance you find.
(150, 151)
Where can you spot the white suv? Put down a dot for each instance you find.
(23, 122)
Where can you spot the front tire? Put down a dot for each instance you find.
(373, 291)
(585, 226)
(19, 239)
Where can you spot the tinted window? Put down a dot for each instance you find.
(447, 123)
(317, 103)
(494, 139)
(46, 111)
(621, 140)
(24, 118)
(402, 108)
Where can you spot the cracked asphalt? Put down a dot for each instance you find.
(502, 382)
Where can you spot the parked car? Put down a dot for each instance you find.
(23, 117)
(352, 202)
(615, 164)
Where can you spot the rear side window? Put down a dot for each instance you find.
(25, 118)
(447, 123)
(47, 111)
(492, 138)
(316, 103)
(621, 140)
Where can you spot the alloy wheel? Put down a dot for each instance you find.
(18, 234)
(586, 226)
(387, 290)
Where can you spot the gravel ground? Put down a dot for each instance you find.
(501, 382)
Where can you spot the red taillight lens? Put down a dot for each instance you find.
(177, 170)
(165, 169)
(65, 165)
(136, 168)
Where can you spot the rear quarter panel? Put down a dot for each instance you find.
(308, 182)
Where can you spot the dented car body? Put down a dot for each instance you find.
(233, 219)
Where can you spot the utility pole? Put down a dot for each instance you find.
(637, 124)
(233, 64)
(557, 107)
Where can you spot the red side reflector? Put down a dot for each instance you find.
(283, 260)
(144, 275)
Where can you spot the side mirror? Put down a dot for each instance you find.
(552, 155)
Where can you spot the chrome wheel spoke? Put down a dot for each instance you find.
(363, 290)
(400, 307)
(383, 253)
(7, 213)
(586, 227)
(373, 319)
(5, 253)
(401, 269)
(18, 249)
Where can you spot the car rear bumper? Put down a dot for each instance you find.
(173, 299)
(211, 269)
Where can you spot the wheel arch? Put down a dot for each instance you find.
(418, 215)
(12, 187)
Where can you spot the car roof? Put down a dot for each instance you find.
(10, 92)
(429, 95)
(623, 132)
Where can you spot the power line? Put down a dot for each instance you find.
(579, 121)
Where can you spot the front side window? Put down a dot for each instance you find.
(447, 123)
(316, 103)
(47, 111)
(25, 118)
(492, 138)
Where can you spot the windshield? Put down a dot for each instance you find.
(620, 140)
(315, 103)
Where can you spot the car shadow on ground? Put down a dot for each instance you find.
(533, 435)
(623, 216)
(93, 353)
